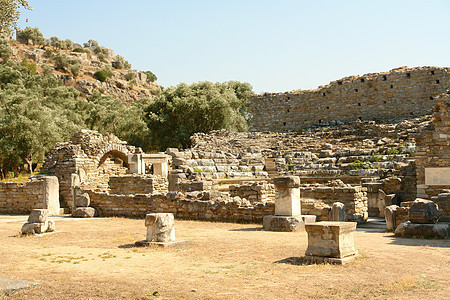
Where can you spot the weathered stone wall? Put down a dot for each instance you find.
(22, 198)
(87, 155)
(253, 191)
(433, 149)
(318, 200)
(180, 206)
(400, 93)
(137, 184)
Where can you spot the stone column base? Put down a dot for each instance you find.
(145, 243)
(287, 223)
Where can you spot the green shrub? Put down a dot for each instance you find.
(81, 50)
(101, 57)
(5, 50)
(54, 41)
(100, 75)
(68, 44)
(30, 65)
(150, 76)
(75, 69)
(130, 75)
(61, 61)
(48, 53)
(120, 63)
(47, 70)
(104, 73)
(34, 35)
(90, 43)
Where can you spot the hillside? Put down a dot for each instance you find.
(77, 65)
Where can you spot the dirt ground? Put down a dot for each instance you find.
(93, 259)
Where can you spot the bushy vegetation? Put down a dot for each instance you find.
(104, 73)
(34, 35)
(5, 50)
(150, 76)
(37, 110)
(120, 63)
(64, 63)
(61, 44)
(10, 14)
(179, 112)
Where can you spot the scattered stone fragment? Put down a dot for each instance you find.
(84, 212)
(424, 212)
(83, 200)
(408, 229)
(338, 213)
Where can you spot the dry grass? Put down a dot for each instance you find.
(93, 259)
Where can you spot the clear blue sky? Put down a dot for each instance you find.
(276, 45)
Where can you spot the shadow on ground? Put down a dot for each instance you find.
(248, 229)
(441, 243)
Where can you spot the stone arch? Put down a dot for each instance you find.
(116, 153)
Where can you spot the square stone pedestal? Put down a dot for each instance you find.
(160, 231)
(287, 223)
(330, 242)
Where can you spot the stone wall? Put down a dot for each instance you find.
(87, 155)
(137, 184)
(400, 93)
(253, 191)
(433, 151)
(318, 200)
(181, 206)
(38, 193)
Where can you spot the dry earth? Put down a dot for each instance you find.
(92, 259)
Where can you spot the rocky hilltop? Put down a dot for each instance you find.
(89, 68)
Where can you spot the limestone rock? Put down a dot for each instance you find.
(83, 200)
(286, 223)
(424, 212)
(38, 216)
(51, 226)
(160, 227)
(331, 239)
(84, 212)
(287, 182)
(389, 215)
(338, 212)
(440, 230)
(28, 228)
(40, 227)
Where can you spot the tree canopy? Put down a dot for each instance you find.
(9, 15)
(179, 112)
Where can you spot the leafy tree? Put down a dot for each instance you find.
(5, 50)
(61, 61)
(9, 14)
(91, 43)
(150, 76)
(36, 111)
(120, 63)
(34, 35)
(181, 111)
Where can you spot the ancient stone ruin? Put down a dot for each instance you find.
(38, 223)
(400, 93)
(349, 170)
(288, 214)
(160, 230)
(330, 242)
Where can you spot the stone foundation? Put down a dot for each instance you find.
(137, 184)
(318, 200)
(41, 192)
(183, 207)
